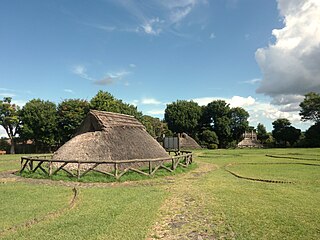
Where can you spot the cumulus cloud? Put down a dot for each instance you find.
(235, 101)
(150, 101)
(290, 66)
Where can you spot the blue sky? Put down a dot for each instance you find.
(150, 53)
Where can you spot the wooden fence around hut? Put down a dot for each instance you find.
(46, 164)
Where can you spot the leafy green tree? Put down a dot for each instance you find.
(277, 131)
(291, 135)
(239, 122)
(313, 136)
(9, 120)
(209, 138)
(284, 133)
(183, 116)
(154, 126)
(104, 101)
(262, 133)
(70, 114)
(310, 107)
(216, 115)
(39, 123)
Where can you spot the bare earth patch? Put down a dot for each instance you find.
(185, 215)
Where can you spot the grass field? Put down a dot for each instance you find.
(207, 202)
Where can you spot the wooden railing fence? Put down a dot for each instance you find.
(46, 164)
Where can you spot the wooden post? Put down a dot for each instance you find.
(50, 169)
(150, 167)
(78, 170)
(31, 165)
(172, 163)
(116, 170)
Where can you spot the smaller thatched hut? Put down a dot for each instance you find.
(187, 142)
(107, 136)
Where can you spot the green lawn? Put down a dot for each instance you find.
(207, 202)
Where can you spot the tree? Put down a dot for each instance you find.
(239, 122)
(284, 133)
(216, 116)
(39, 123)
(313, 136)
(9, 120)
(154, 126)
(70, 114)
(104, 101)
(291, 135)
(310, 107)
(262, 133)
(183, 116)
(209, 138)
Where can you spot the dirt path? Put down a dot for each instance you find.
(184, 214)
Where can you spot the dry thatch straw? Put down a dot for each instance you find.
(110, 136)
(187, 142)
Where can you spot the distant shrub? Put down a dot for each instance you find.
(212, 146)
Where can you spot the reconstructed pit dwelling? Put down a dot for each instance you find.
(107, 136)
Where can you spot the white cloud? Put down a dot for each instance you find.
(152, 26)
(180, 13)
(132, 65)
(68, 90)
(235, 101)
(150, 101)
(155, 17)
(109, 78)
(212, 36)
(253, 81)
(81, 71)
(290, 66)
(156, 112)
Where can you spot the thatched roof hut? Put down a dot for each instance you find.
(110, 136)
(187, 142)
(250, 140)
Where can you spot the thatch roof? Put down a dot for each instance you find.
(110, 136)
(187, 142)
(250, 140)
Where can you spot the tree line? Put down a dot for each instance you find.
(219, 125)
(216, 125)
(49, 125)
